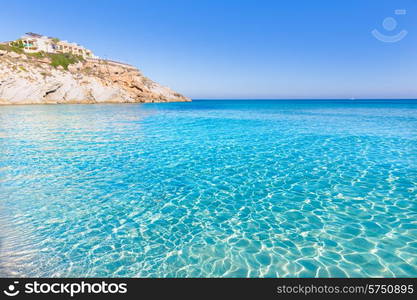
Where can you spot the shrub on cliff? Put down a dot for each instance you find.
(38, 55)
(17, 44)
(64, 59)
(9, 48)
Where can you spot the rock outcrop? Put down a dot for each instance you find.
(29, 80)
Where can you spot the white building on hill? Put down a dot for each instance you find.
(33, 42)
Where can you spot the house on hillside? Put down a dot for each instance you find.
(33, 42)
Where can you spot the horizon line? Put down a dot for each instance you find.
(350, 99)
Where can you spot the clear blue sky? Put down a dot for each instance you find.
(240, 49)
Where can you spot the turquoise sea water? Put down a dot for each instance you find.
(209, 189)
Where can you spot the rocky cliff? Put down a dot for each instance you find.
(25, 79)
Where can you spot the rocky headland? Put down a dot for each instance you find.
(31, 79)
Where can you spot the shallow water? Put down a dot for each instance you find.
(209, 188)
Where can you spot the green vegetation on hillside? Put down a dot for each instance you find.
(64, 59)
(38, 55)
(56, 59)
(17, 44)
(14, 47)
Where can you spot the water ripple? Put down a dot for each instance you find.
(209, 189)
